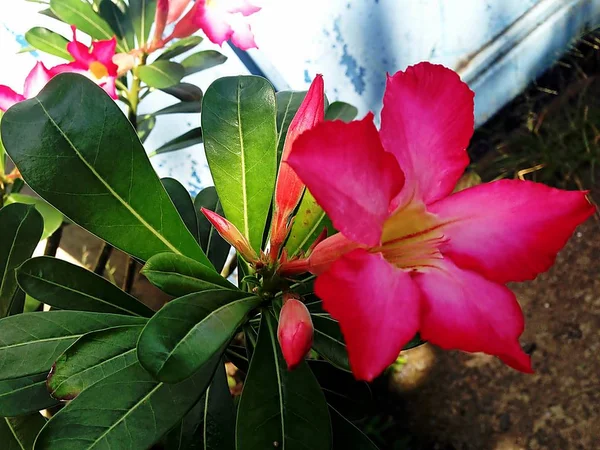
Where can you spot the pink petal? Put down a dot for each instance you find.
(427, 122)
(71, 67)
(103, 51)
(509, 230)
(242, 6)
(376, 305)
(350, 175)
(8, 97)
(160, 20)
(79, 51)
(176, 8)
(110, 88)
(213, 21)
(36, 80)
(187, 25)
(462, 310)
(242, 36)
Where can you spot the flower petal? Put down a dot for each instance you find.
(462, 310)
(176, 8)
(509, 230)
(427, 122)
(242, 6)
(103, 51)
(36, 80)
(242, 36)
(8, 97)
(350, 175)
(110, 87)
(213, 21)
(80, 52)
(376, 305)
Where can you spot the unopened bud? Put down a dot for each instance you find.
(295, 331)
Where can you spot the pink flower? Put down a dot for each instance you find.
(95, 62)
(411, 256)
(35, 81)
(220, 20)
(295, 331)
(231, 234)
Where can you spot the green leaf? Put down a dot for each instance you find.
(120, 23)
(91, 358)
(161, 74)
(21, 227)
(215, 247)
(31, 342)
(177, 275)
(2, 151)
(48, 13)
(180, 47)
(83, 132)
(288, 103)
(19, 433)
(329, 342)
(202, 60)
(183, 203)
(53, 219)
(141, 14)
(82, 15)
(187, 139)
(187, 435)
(180, 108)
(64, 285)
(25, 395)
(185, 92)
(145, 127)
(346, 436)
(280, 408)
(126, 410)
(189, 330)
(341, 111)
(219, 414)
(48, 41)
(240, 139)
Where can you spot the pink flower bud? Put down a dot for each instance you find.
(295, 331)
(231, 234)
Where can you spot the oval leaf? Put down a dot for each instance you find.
(116, 16)
(180, 108)
(189, 330)
(202, 60)
(341, 111)
(346, 436)
(219, 414)
(31, 342)
(180, 47)
(91, 358)
(185, 92)
(82, 15)
(25, 395)
(161, 74)
(21, 227)
(53, 219)
(329, 342)
(240, 139)
(183, 203)
(215, 247)
(178, 276)
(280, 408)
(141, 14)
(64, 285)
(48, 41)
(188, 139)
(19, 433)
(76, 124)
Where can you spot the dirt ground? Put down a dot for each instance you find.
(475, 402)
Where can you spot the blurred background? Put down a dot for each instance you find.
(534, 66)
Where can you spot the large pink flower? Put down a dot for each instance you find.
(35, 81)
(95, 62)
(411, 256)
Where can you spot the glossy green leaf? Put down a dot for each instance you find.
(215, 247)
(180, 47)
(329, 342)
(180, 108)
(31, 342)
(91, 358)
(19, 433)
(185, 92)
(53, 219)
(118, 19)
(240, 139)
(48, 41)
(186, 140)
(280, 408)
(25, 395)
(145, 127)
(64, 285)
(288, 103)
(189, 330)
(341, 111)
(187, 435)
(126, 410)
(141, 14)
(21, 228)
(183, 203)
(161, 74)
(48, 13)
(346, 436)
(219, 414)
(178, 276)
(82, 15)
(73, 122)
(202, 60)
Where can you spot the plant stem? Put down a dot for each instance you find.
(54, 241)
(103, 258)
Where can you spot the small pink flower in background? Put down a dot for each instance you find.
(95, 62)
(35, 81)
(411, 256)
(295, 331)
(220, 20)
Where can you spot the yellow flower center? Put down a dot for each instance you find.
(98, 70)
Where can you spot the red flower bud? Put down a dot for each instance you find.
(231, 234)
(295, 331)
